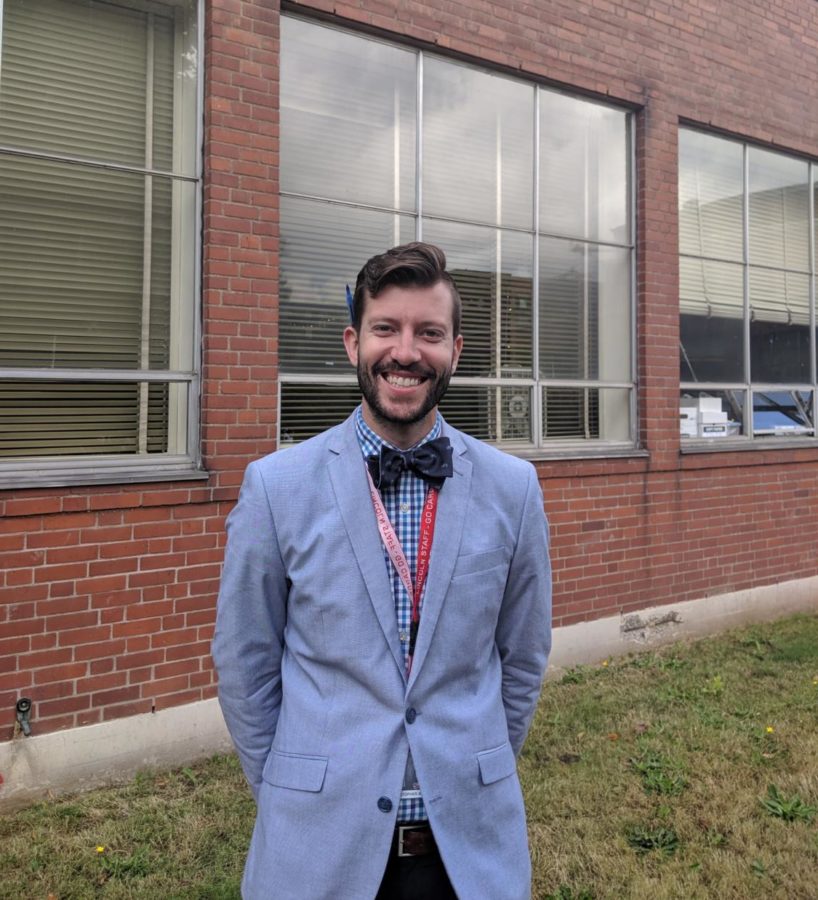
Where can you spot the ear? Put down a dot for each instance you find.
(351, 344)
(458, 349)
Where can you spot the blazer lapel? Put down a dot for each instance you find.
(348, 478)
(451, 515)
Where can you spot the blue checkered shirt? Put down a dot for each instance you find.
(404, 504)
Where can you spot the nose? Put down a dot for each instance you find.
(405, 350)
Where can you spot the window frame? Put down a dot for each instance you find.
(89, 469)
(539, 448)
(747, 440)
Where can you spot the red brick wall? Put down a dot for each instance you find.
(107, 593)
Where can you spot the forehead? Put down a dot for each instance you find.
(422, 304)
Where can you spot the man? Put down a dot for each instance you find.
(377, 690)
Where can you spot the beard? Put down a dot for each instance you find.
(436, 384)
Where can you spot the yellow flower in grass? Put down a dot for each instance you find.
(604, 662)
(769, 729)
(100, 848)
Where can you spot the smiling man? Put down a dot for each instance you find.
(384, 625)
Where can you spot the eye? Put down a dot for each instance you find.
(381, 328)
(433, 334)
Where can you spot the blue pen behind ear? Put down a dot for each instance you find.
(350, 306)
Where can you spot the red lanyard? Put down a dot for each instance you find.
(398, 557)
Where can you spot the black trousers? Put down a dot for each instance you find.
(416, 878)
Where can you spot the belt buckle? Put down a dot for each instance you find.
(402, 829)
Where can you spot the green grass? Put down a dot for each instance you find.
(689, 772)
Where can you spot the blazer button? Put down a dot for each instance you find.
(411, 714)
(384, 804)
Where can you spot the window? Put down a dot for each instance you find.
(527, 191)
(747, 290)
(99, 171)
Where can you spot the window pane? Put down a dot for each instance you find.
(779, 326)
(585, 320)
(348, 111)
(711, 414)
(493, 273)
(478, 140)
(322, 249)
(711, 191)
(77, 286)
(498, 414)
(308, 409)
(783, 413)
(586, 414)
(583, 169)
(712, 320)
(80, 418)
(779, 210)
(75, 80)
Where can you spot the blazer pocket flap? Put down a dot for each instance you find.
(480, 562)
(291, 770)
(497, 763)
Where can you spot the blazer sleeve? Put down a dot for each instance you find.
(523, 633)
(251, 616)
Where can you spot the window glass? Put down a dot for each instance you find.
(711, 196)
(779, 326)
(494, 277)
(348, 114)
(583, 169)
(97, 242)
(478, 132)
(586, 413)
(584, 311)
(497, 414)
(711, 300)
(783, 413)
(779, 210)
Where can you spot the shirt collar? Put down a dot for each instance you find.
(371, 443)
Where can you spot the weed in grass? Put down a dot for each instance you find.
(714, 687)
(660, 775)
(790, 809)
(576, 675)
(644, 839)
(566, 892)
(123, 866)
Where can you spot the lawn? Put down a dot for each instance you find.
(688, 772)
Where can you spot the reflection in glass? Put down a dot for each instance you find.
(493, 273)
(583, 169)
(478, 138)
(322, 250)
(779, 210)
(499, 414)
(585, 319)
(711, 192)
(783, 413)
(348, 111)
(711, 300)
(779, 326)
(586, 414)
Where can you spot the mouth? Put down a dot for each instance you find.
(402, 381)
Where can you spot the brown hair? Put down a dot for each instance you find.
(411, 265)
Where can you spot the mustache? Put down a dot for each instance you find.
(416, 369)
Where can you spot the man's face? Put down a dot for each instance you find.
(404, 354)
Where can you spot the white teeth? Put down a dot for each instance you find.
(402, 381)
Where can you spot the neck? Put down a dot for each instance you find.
(399, 434)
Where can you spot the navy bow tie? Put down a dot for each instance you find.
(431, 461)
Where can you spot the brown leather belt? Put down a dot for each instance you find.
(413, 840)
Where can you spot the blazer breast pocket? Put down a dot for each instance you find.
(292, 770)
(478, 563)
(497, 763)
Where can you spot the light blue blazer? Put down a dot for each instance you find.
(313, 686)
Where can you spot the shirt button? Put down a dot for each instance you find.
(404, 507)
(404, 636)
(384, 804)
(411, 714)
